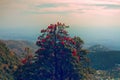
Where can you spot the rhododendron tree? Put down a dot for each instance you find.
(59, 56)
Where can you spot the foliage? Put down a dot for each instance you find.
(8, 62)
(59, 57)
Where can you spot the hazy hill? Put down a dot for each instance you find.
(19, 46)
(98, 47)
(104, 59)
(8, 62)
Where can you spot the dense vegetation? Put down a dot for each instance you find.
(8, 62)
(59, 57)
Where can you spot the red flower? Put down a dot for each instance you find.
(43, 40)
(62, 42)
(24, 60)
(74, 52)
(47, 37)
(68, 38)
(73, 41)
(51, 27)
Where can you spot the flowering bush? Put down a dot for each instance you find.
(59, 56)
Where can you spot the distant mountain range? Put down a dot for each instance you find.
(103, 58)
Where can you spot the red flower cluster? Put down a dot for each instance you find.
(73, 42)
(24, 60)
(61, 36)
(52, 26)
(74, 52)
(48, 36)
(67, 38)
(70, 39)
(43, 40)
(62, 42)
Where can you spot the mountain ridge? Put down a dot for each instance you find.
(18, 46)
(98, 47)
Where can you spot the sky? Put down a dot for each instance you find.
(95, 21)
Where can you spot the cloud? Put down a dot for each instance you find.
(107, 6)
(47, 12)
(50, 5)
(73, 6)
(72, 11)
(59, 6)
